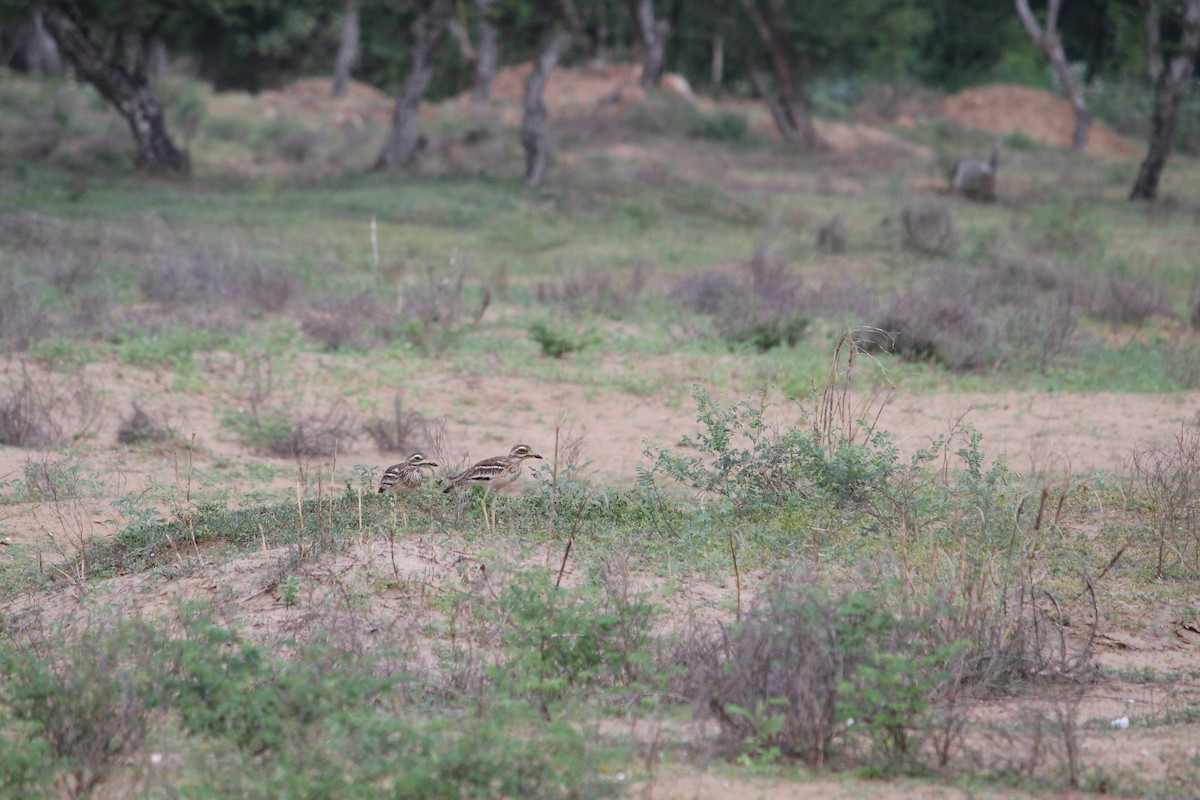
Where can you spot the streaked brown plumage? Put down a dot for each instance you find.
(406, 476)
(493, 473)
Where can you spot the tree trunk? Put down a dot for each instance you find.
(785, 101)
(533, 122)
(654, 38)
(130, 94)
(1154, 59)
(347, 53)
(41, 52)
(487, 53)
(427, 31)
(1169, 91)
(718, 61)
(1049, 42)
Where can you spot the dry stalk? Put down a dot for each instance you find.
(570, 541)
(191, 522)
(737, 577)
(837, 413)
(300, 517)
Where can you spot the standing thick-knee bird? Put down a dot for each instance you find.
(405, 478)
(493, 473)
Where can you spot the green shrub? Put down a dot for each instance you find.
(720, 126)
(557, 342)
(90, 702)
(225, 687)
(558, 640)
(26, 762)
(750, 462)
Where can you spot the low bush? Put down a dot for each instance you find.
(556, 341)
(314, 721)
(438, 309)
(808, 666)
(929, 229)
(595, 290)
(1168, 477)
(40, 410)
(91, 700)
(761, 307)
(277, 432)
(362, 321)
(561, 642)
(1130, 301)
(402, 433)
(720, 126)
(752, 463)
(144, 425)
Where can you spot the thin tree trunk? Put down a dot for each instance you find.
(484, 58)
(427, 32)
(1154, 59)
(129, 93)
(487, 53)
(533, 122)
(1169, 92)
(718, 60)
(785, 102)
(654, 34)
(41, 51)
(1049, 42)
(347, 53)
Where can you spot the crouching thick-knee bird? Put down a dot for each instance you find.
(405, 478)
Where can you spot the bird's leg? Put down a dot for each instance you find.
(487, 522)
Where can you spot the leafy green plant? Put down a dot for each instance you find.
(752, 462)
(720, 126)
(889, 695)
(557, 342)
(26, 762)
(289, 590)
(226, 687)
(558, 641)
(173, 346)
(91, 703)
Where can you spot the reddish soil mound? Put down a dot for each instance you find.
(1041, 115)
(574, 90)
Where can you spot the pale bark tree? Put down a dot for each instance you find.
(785, 100)
(557, 29)
(483, 57)
(1169, 90)
(1050, 43)
(1154, 59)
(487, 52)
(41, 52)
(654, 32)
(534, 127)
(347, 53)
(428, 28)
(128, 90)
(717, 71)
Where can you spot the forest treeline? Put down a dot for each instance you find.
(774, 50)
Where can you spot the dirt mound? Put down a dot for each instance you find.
(586, 88)
(1038, 114)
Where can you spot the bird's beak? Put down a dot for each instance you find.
(535, 455)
